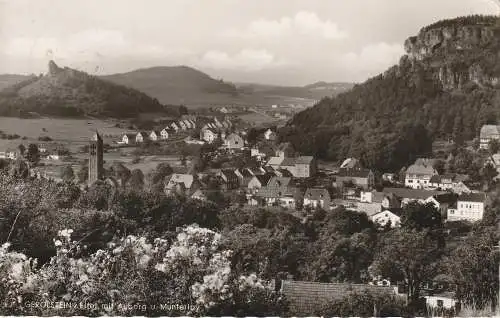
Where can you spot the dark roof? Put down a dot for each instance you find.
(405, 193)
(472, 197)
(245, 173)
(305, 298)
(354, 173)
(264, 178)
(230, 175)
(130, 135)
(292, 161)
(446, 198)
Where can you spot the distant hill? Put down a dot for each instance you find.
(188, 86)
(68, 92)
(447, 85)
(176, 85)
(314, 91)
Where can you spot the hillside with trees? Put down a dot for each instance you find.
(68, 92)
(446, 87)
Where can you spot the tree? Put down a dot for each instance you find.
(136, 180)
(409, 256)
(421, 216)
(67, 173)
(22, 149)
(494, 146)
(20, 169)
(474, 268)
(121, 173)
(33, 154)
(157, 176)
(83, 173)
(439, 166)
(489, 173)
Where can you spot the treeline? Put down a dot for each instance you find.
(476, 19)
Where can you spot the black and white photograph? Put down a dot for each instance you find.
(237, 158)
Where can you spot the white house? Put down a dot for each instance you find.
(233, 141)
(155, 135)
(487, 134)
(441, 301)
(470, 207)
(193, 123)
(128, 138)
(164, 134)
(208, 136)
(418, 175)
(382, 218)
(140, 137)
(187, 123)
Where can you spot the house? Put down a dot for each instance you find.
(208, 136)
(259, 181)
(270, 135)
(223, 110)
(254, 152)
(363, 178)
(181, 125)
(412, 195)
(175, 127)
(443, 201)
(386, 217)
(305, 298)
(418, 175)
(278, 191)
(218, 123)
(300, 167)
(443, 300)
(234, 141)
(193, 123)
(275, 161)
(187, 123)
(469, 207)
(164, 133)
(128, 138)
(351, 163)
(447, 181)
(181, 183)
(487, 134)
(317, 198)
(155, 135)
(141, 137)
(230, 180)
(385, 200)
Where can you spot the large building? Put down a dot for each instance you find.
(96, 159)
(487, 134)
(470, 207)
(418, 175)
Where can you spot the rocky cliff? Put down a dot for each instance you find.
(458, 51)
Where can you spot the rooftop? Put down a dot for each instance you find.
(416, 194)
(354, 173)
(307, 297)
(488, 131)
(472, 197)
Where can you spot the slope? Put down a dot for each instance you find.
(176, 85)
(68, 92)
(447, 85)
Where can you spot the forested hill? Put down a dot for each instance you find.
(68, 92)
(447, 85)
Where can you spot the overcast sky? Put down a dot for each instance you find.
(288, 42)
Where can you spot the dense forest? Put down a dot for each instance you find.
(394, 117)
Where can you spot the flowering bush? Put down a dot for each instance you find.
(131, 277)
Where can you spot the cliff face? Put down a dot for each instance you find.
(458, 53)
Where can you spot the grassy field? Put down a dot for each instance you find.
(70, 132)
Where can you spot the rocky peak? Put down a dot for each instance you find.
(457, 51)
(53, 68)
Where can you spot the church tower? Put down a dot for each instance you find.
(96, 161)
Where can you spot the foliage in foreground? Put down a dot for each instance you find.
(133, 276)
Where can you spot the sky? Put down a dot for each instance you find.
(282, 42)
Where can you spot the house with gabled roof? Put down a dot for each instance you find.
(487, 134)
(278, 191)
(412, 195)
(181, 183)
(351, 163)
(175, 127)
(208, 135)
(385, 217)
(187, 123)
(364, 178)
(234, 141)
(270, 134)
(193, 123)
(317, 198)
(230, 180)
(164, 133)
(141, 136)
(181, 125)
(259, 181)
(128, 138)
(155, 135)
(469, 206)
(418, 175)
